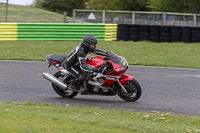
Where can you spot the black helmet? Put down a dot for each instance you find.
(88, 40)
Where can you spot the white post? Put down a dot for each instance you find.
(103, 16)
(74, 15)
(164, 18)
(133, 17)
(65, 17)
(6, 19)
(195, 20)
(26, 17)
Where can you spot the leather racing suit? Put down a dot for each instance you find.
(76, 62)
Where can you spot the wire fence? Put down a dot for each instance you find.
(133, 17)
(27, 17)
(104, 16)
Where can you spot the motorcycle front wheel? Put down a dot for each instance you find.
(64, 93)
(133, 89)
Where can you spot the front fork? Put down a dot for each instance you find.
(123, 80)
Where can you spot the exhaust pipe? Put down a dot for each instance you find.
(54, 80)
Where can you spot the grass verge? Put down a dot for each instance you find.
(185, 55)
(29, 117)
(34, 15)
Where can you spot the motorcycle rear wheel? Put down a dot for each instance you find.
(64, 93)
(134, 91)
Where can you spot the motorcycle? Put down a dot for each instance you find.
(111, 81)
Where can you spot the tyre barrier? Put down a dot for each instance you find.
(156, 33)
(123, 32)
(104, 32)
(57, 31)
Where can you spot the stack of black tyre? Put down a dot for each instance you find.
(164, 34)
(185, 34)
(195, 34)
(175, 34)
(123, 32)
(133, 32)
(143, 32)
(154, 33)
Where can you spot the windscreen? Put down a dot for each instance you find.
(116, 59)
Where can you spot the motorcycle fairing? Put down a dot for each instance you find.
(117, 70)
(116, 59)
(95, 61)
(125, 78)
(116, 65)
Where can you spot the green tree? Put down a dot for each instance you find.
(126, 5)
(178, 6)
(97, 4)
(61, 6)
(182, 6)
(38, 3)
(158, 5)
(193, 6)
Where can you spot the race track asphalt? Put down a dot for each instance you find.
(164, 89)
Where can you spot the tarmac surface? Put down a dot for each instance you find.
(173, 90)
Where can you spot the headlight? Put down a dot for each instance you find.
(118, 69)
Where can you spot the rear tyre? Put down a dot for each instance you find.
(133, 89)
(64, 93)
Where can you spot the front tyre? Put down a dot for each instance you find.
(64, 93)
(133, 89)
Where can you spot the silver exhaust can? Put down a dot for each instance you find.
(54, 80)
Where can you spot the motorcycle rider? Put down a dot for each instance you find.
(76, 61)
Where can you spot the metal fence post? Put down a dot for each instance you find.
(133, 17)
(156, 18)
(26, 17)
(6, 19)
(164, 18)
(65, 17)
(74, 15)
(195, 20)
(103, 16)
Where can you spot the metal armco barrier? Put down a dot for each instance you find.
(8, 31)
(103, 32)
(155, 33)
(56, 31)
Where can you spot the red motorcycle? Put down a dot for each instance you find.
(111, 81)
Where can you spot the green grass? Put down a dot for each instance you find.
(39, 118)
(35, 118)
(35, 15)
(185, 55)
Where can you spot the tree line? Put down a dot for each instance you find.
(180, 6)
